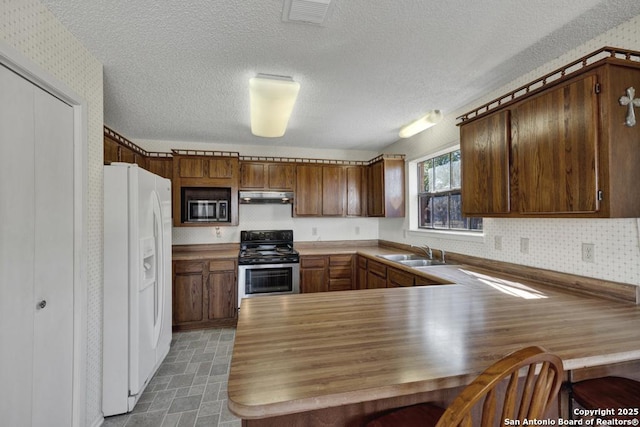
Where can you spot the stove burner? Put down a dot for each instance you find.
(267, 247)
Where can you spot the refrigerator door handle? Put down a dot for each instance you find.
(159, 285)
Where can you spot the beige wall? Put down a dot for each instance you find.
(28, 27)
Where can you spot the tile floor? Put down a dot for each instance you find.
(190, 387)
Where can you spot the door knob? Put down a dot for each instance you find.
(42, 304)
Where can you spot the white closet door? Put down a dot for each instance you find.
(36, 190)
(53, 329)
(17, 247)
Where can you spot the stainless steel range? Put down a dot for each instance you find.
(267, 264)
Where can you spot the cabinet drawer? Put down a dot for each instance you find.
(400, 278)
(340, 260)
(378, 269)
(222, 265)
(313, 262)
(188, 267)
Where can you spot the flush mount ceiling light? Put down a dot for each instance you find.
(272, 101)
(433, 117)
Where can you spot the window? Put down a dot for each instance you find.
(439, 195)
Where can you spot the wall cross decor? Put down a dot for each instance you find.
(630, 100)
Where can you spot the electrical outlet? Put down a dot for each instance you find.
(314, 231)
(588, 252)
(357, 230)
(524, 245)
(497, 243)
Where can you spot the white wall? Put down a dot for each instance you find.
(28, 27)
(554, 244)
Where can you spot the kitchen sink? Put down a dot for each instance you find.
(403, 257)
(413, 260)
(420, 262)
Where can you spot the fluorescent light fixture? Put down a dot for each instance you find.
(433, 117)
(272, 101)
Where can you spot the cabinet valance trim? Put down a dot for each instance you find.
(605, 54)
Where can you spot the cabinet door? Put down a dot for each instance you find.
(484, 148)
(222, 168)
(308, 200)
(191, 167)
(222, 295)
(111, 150)
(375, 193)
(362, 273)
(555, 137)
(333, 190)
(396, 278)
(376, 275)
(341, 272)
(252, 175)
(281, 176)
(162, 166)
(187, 292)
(355, 191)
(314, 275)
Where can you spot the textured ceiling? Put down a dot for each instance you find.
(179, 70)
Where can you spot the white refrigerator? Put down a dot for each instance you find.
(137, 282)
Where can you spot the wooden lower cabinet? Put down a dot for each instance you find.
(376, 275)
(204, 294)
(321, 273)
(188, 292)
(341, 269)
(326, 273)
(362, 273)
(398, 278)
(314, 274)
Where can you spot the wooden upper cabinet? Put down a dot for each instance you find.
(308, 196)
(223, 168)
(385, 182)
(162, 166)
(330, 190)
(484, 149)
(252, 176)
(111, 151)
(115, 151)
(569, 151)
(281, 176)
(333, 191)
(355, 191)
(190, 167)
(205, 176)
(555, 150)
(267, 176)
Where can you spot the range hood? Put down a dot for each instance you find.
(256, 197)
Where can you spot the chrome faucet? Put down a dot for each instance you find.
(427, 250)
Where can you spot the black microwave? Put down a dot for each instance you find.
(207, 210)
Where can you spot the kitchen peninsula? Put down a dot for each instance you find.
(336, 358)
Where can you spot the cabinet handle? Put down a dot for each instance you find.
(42, 304)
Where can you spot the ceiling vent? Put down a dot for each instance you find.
(306, 11)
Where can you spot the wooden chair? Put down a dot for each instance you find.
(608, 393)
(527, 394)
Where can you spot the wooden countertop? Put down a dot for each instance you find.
(303, 352)
(200, 252)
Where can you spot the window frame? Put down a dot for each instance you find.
(415, 185)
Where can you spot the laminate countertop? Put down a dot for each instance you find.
(300, 353)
